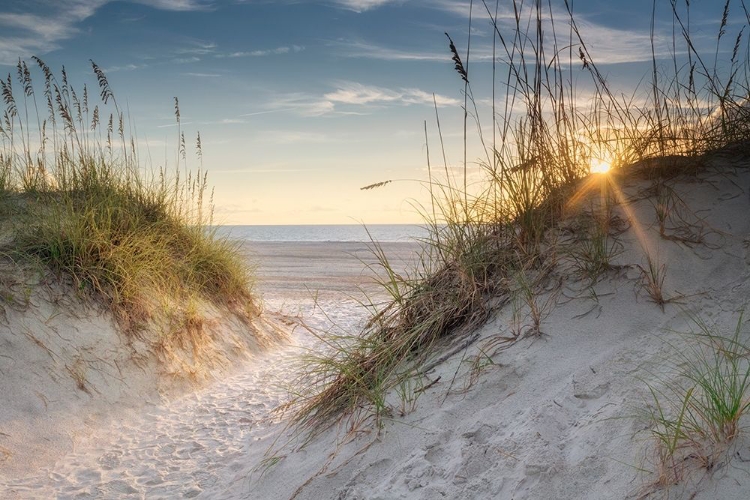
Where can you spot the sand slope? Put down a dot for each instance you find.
(66, 368)
(560, 416)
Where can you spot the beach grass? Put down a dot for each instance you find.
(80, 205)
(535, 170)
(696, 414)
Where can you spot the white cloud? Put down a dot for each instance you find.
(202, 75)
(185, 60)
(361, 5)
(264, 52)
(349, 48)
(47, 29)
(608, 45)
(300, 103)
(225, 121)
(24, 34)
(177, 5)
(355, 48)
(197, 47)
(358, 94)
(126, 67)
(348, 95)
(417, 96)
(612, 45)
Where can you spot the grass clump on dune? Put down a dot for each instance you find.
(493, 221)
(77, 199)
(697, 415)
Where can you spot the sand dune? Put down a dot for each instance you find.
(562, 415)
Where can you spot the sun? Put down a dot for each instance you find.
(599, 166)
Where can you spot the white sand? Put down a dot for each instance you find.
(66, 370)
(555, 417)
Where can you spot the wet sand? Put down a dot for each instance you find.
(302, 268)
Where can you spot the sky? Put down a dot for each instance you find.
(301, 103)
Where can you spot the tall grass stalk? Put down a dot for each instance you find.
(79, 201)
(545, 137)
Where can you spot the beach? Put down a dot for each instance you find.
(299, 269)
(198, 444)
(374, 250)
(562, 414)
(566, 413)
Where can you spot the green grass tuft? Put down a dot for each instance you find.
(77, 200)
(696, 415)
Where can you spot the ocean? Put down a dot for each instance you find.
(383, 233)
(294, 261)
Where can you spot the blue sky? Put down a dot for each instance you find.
(301, 103)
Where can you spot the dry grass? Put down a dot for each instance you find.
(536, 167)
(78, 202)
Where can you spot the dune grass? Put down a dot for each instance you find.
(545, 137)
(77, 200)
(696, 414)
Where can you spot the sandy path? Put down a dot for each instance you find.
(198, 444)
(176, 450)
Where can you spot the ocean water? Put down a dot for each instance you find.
(383, 233)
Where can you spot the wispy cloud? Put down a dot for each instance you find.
(367, 50)
(355, 48)
(608, 45)
(186, 60)
(134, 19)
(301, 104)
(26, 34)
(178, 5)
(197, 47)
(172, 125)
(361, 5)
(256, 113)
(202, 75)
(125, 67)
(224, 121)
(46, 28)
(417, 96)
(348, 95)
(612, 45)
(264, 52)
(357, 93)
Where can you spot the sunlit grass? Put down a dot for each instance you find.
(545, 146)
(78, 201)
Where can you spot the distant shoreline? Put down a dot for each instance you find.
(324, 233)
(303, 267)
